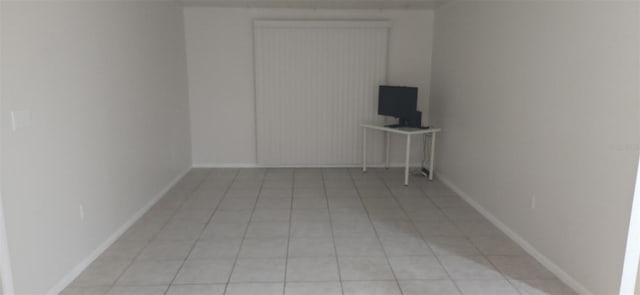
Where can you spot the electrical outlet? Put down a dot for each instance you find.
(81, 212)
(533, 201)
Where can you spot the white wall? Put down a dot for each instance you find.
(105, 84)
(541, 98)
(220, 65)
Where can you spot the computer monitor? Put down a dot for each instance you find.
(399, 102)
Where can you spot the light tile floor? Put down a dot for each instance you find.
(313, 231)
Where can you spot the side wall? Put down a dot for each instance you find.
(539, 100)
(220, 62)
(105, 86)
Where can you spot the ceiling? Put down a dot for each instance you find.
(321, 4)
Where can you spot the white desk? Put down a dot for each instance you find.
(404, 131)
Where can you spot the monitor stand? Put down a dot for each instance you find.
(401, 123)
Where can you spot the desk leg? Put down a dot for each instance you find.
(387, 150)
(406, 161)
(432, 156)
(364, 149)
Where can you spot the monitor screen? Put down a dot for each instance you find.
(398, 101)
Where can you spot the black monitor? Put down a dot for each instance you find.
(398, 101)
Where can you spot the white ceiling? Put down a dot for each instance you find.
(322, 4)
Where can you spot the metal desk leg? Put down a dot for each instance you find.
(387, 150)
(406, 162)
(432, 156)
(364, 149)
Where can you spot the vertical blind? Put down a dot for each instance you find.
(316, 81)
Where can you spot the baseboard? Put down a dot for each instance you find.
(254, 165)
(80, 267)
(546, 262)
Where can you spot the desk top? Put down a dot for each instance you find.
(402, 130)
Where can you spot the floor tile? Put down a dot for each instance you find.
(310, 215)
(380, 213)
(216, 289)
(234, 203)
(205, 271)
(138, 290)
(395, 228)
(478, 228)
(267, 229)
(341, 192)
(429, 287)
(259, 270)
(371, 288)
(357, 245)
(497, 245)
(85, 291)
(150, 273)
(373, 192)
(102, 272)
(417, 268)
(469, 268)
(542, 287)
(311, 247)
(197, 214)
(264, 248)
(309, 269)
(142, 231)
(520, 267)
(255, 289)
(370, 203)
(405, 246)
(276, 193)
(345, 202)
(424, 236)
(270, 214)
(310, 203)
(242, 192)
(313, 288)
(460, 246)
(352, 226)
(364, 268)
(223, 230)
(180, 231)
(425, 215)
(209, 203)
(123, 249)
(310, 229)
(277, 183)
(486, 287)
(232, 216)
(438, 228)
(216, 248)
(465, 213)
(274, 202)
(448, 201)
(158, 215)
(166, 250)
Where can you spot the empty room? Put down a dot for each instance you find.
(319, 147)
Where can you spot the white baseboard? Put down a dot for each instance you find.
(254, 165)
(80, 267)
(546, 262)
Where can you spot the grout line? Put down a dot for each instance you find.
(148, 242)
(376, 231)
(467, 238)
(205, 226)
(246, 229)
(418, 231)
(378, 176)
(333, 238)
(286, 257)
